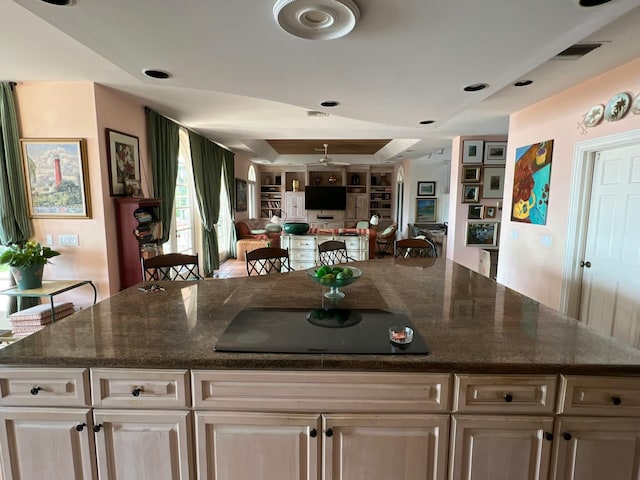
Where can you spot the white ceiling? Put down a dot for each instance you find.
(238, 79)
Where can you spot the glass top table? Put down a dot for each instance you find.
(51, 288)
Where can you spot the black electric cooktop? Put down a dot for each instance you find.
(299, 330)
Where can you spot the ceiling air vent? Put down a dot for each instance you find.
(576, 51)
(315, 113)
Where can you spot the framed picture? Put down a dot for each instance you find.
(426, 210)
(475, 212)
(123, 154)
(470, 193)
(493, 182)
(472, 151)
(56, 176)
(241, 195)
(426, 188)
(482, 234)
(471, 174)
(490, 212)
(495, 153)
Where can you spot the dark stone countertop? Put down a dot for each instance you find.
(470, 323)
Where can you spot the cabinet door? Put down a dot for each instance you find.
(143, 444)
(383, 447)
(486, 447)
(270, 446)
(357, 207)
(592, 448)
(48, 443)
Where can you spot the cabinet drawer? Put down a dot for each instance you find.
(505, 393)
(304, 243)
(300, 265)
(51, 387)
(140, 388)
(321, 391)
(352, 243)
(305, 255)
(594, 395)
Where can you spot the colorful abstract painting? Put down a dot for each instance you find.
(531, 183)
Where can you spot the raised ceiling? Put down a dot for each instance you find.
(240, 80)
(335, 147)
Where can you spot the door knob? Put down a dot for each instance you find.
(585, 264)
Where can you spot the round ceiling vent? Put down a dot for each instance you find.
(316, 19)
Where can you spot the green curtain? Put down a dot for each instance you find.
(163, 150)
(230, 176)
(14, 217)
(207, 160)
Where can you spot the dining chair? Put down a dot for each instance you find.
(171, 266)
(266, 260)
(414, 248)
(333, 252)
(385, 240)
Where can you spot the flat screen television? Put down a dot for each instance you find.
(325, 198)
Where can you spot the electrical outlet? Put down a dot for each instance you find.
(515, 234)
(546, 240)
(68, 240)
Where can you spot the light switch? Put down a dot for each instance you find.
(49, 239)
(546, 240)
(515, 234)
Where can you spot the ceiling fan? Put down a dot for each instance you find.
(325, 160)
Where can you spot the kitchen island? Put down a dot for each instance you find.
(140, 369)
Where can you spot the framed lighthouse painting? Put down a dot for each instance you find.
(56, 177)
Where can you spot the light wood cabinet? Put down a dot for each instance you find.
(357, 208)
(143, 444)
(496, 447)
(51, 443)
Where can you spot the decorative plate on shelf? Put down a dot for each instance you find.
(594, 116)
(635, 105)
(617, 107)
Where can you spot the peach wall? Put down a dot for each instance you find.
(58, 110)
(118, 112)
(456, 249)
(525, 264)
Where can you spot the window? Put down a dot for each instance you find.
(224, 221)
(251, 192)
(184, 236)
(400, 197)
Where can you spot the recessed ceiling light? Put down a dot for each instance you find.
(62, 3)
(592, 3)
(161, 74)
(427, 122)
(330, 103)
(475, 87)
(523, 83)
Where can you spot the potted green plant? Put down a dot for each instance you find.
(27, 263)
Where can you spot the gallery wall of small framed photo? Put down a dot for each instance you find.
(471, 174)
(426, 210)
(470, 193)
(490, 212)
(426, 189)
(472, 151)
(495, 153)
(493, 182)
(475, 212)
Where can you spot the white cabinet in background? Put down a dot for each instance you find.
(294, 206)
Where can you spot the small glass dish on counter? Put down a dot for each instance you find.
(334, 277)
(401, 335)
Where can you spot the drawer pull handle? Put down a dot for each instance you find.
(508, 397)
(35, 390)
(80, 426)
(566, 436)
(616, 400)
(329, 432)
(136, 392)
(313, 433)
(548, 436)
(97, 427)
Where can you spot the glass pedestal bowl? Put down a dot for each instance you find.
(333, 280)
